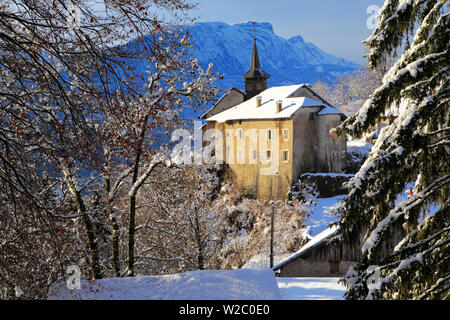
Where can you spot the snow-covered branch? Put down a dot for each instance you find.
(158, 159)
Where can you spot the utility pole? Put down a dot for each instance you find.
(271, 234)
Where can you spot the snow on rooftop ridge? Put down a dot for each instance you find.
(227, 92)
(330, 110)
(267, 110)
(240, 284)
(326, 234)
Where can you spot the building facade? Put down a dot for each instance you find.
(268, 137)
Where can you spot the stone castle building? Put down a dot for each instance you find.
(269, 136)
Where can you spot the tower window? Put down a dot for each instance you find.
(268, 155)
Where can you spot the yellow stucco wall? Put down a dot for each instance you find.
(309, 147)
(266, 179)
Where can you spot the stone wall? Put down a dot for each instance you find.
(318, 268)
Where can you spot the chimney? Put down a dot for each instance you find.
(279, 105)
(258, 101)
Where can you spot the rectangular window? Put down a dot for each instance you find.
(285, 155)
(286, 134)
(241, 134)
(240, 154)
(268, 155)
(269, 134)
(254, 155)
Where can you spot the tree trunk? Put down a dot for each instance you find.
(115, 233)
(200, 257)
(131, 231)
(93, 249)
(115, 246)
(92, 243)
(132, 221)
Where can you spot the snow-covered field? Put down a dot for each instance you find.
(310, 288)
(241, 284)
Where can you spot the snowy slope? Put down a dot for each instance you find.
(243, 284)
(290, 61)
(322, 214)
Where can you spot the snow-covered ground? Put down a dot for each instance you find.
(242, 284)
(311, 288)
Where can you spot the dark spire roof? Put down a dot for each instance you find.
(255, 71)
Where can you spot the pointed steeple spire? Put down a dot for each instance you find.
(255, 66)
(255, 78)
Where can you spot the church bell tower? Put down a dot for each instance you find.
(255, 78)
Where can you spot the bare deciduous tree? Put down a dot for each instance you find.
(78, 111)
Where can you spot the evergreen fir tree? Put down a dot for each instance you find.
(413, 147)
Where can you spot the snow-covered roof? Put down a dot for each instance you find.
(329, 110)
(241, 284)
(291, 103)
(221, 98)
(314, 242)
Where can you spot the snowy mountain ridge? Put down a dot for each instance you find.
(288, 61)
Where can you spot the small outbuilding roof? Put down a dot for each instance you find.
(314, 242)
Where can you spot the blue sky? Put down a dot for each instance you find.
(338, 27)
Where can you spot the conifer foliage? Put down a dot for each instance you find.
(413, 148)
